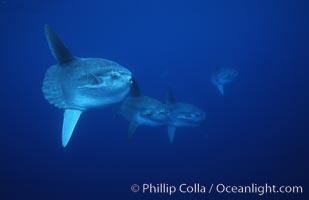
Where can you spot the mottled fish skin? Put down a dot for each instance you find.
(222, 76)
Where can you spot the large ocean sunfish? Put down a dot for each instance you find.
(142, 110)
(78, 84)
(182, 114)
(221, 76)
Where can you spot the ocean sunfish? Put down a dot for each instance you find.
(142, 110)
(78, 84)
(182, 114)
(221, 76)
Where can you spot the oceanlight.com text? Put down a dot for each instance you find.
(220, 188)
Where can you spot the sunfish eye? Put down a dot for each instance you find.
(197, 115)
(115, 75)
(148, 113)
(225, 75)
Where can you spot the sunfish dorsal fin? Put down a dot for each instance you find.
(132, 127)
(171, 133)
(69, 121)
(58, 49)
(220, 88)
(170, 97)
(135, 91)
(217, 68)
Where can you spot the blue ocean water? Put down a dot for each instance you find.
(255, 133)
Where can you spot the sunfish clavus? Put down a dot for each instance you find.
(78, 84)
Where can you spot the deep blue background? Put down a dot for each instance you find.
(257, 132)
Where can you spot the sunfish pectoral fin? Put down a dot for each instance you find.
(171, 133)
(132, 127)
(92, 82)
(220, 88)
(94, 79)
(70, 119)
(59, 50)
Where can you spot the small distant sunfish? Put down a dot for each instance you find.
(221, 76)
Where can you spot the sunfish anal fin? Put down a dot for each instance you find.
(171, 133)
(220, 88)
(132, 127)
(70, 119)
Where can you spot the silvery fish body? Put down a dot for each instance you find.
(223, 76)
(182, 114)
(78, 84)
(142, 110)
(86, 83)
